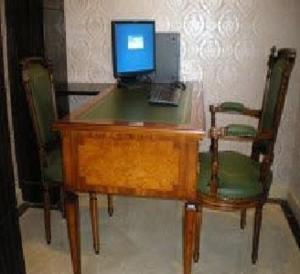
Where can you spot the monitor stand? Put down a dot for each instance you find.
(126, 82)
(132, 82)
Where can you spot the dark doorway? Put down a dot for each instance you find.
(11, 254)
(31, 31)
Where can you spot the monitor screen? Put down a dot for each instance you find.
(133, 45)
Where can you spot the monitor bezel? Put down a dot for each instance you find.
(114, 55)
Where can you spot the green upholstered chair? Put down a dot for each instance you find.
(38, 85)
(230, 180)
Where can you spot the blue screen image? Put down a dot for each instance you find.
(134, 47)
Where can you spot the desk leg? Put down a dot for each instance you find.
(198, 225)
(95, 221)
(72, 216)
(190, 216)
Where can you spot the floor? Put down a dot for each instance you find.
(144, 237)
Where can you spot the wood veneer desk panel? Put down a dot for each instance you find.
(119, 144)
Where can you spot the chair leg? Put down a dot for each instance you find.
(110, 206)
(243, 218)
(47, 217)
(62, 202)
(256, 233)
(198, 225)
(94, 221)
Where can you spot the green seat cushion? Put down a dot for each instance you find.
(238, 175)
(53, 171)
(232, 107)
(241, 130)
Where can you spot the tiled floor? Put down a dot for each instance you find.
(144, 237)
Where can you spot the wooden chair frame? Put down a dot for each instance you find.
(44, 148)
(212, 200)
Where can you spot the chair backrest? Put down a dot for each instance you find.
(38, 85)
(280, 66)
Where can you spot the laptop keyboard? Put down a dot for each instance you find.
(165, 95)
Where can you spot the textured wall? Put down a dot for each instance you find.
(224, 43)
(294, 188)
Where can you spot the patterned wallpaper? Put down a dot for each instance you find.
(224, 43)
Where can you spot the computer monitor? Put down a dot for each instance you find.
(133, 49)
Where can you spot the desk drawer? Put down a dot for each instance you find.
(131, 163)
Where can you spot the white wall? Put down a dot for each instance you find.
(294, 187)
(224, 43)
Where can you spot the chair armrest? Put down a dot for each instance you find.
(232, 107)
(240, 132)
(235, 108)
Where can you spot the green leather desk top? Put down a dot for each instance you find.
(130, 107)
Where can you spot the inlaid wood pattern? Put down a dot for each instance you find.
(142, 163)
(115, 159)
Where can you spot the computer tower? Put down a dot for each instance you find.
(167, 58)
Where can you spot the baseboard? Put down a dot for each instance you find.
(294, 204)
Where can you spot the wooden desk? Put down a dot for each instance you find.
(119, 144)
